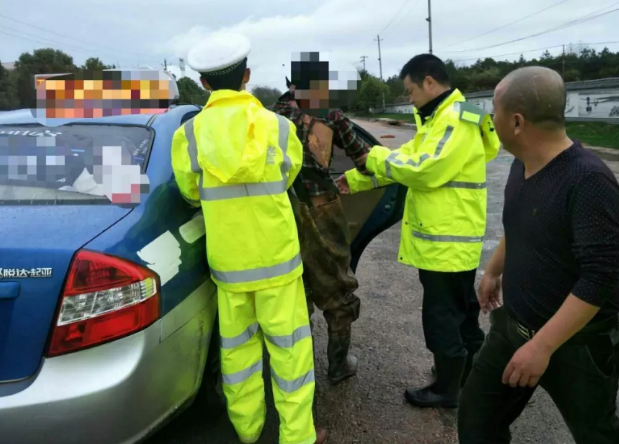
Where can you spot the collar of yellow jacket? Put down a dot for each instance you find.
(455, 96)
(228, 95)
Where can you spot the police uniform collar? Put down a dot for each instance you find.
(225, 94)
(428, 109)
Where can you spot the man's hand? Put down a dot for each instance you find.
(489, 292)
(342, 184)
(527, 365)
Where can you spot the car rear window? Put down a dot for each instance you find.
(74, 163)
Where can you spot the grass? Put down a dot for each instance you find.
(604, 135)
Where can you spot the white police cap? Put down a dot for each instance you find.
(219, 53)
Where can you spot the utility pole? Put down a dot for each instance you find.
(563, 75)
(380, 60)
(429, 20)
(165, 65)
(363, 60)
(181, 65)
(380, 64)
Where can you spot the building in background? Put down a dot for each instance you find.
(591, 99)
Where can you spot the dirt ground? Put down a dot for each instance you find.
(388, 340)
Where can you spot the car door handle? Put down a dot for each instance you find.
(9, 290)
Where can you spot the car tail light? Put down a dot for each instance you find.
(105, 298)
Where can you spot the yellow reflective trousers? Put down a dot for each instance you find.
(237, 160)
(280, 316)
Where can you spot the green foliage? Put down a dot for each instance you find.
(579, 63)
(371, 93)
(397, 92)
(8, 90)
(41, 61)
(94, 64)
(594, 133)
(267, 96)
(191, 92)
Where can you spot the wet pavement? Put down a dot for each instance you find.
(388, 340)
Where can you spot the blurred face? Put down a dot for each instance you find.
(509, 126)
(316, 97)
(421, 94)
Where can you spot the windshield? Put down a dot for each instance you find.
(74, 163)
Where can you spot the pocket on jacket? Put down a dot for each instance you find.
(433, 211)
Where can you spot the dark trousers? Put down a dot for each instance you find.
(581, 379)
(450, 312)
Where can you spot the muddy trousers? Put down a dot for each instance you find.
(329, 282)
(279, 316)
(581, 379)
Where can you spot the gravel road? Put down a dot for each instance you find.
(388, 340)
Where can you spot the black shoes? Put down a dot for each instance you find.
(445, 391)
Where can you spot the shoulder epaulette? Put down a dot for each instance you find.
(471, 113)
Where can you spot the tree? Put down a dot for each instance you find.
(8, 92)
(267, 96)
(397, 92)
(191, 93)
(94, 64)
(41, 61)
(371, 93)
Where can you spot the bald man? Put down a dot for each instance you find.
(559, 266)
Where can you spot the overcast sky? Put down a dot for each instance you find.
(133, 32)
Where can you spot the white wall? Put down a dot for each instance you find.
(601, 104)
(484, 103)
(399, 109)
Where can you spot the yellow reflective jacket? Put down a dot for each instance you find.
(444, 167)
(237, 160)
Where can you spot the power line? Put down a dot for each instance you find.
(42, 42)
(556, 28)
(394, 16)
(504, 26)
(403, 16)
(68, 37)
(45, 40)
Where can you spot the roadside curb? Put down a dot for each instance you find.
(391, 122)
(606, 153)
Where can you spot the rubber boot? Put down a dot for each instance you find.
(472, 348)
(321, 435)
(445, 391)
(341, 364)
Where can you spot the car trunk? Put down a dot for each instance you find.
(36, 249)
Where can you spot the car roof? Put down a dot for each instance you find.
(25, 116)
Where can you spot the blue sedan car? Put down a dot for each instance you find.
(107, 311)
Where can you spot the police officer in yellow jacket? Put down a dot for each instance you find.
(444, 221)
(237, 160)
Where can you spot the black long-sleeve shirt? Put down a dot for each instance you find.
(562, 237)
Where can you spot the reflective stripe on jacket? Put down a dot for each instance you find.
(238, 160)
(444, 167)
